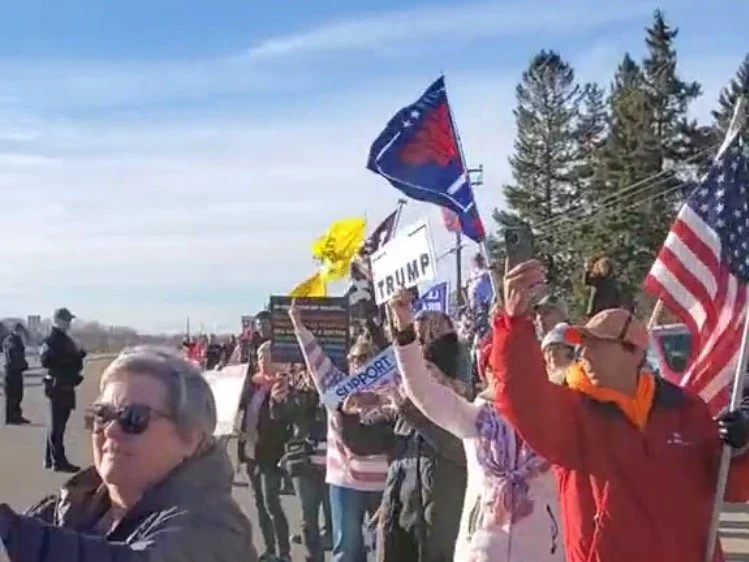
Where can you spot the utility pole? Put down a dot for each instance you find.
(476, 177)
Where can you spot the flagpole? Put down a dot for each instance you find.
(738, 122)
(482, 244)
(725, 458)
(655, 314)
(396, 222)
(398, 212)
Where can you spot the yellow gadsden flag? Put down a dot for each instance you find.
(312, 287)
(337, 247)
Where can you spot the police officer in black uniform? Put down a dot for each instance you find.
(64, 363)
(14, 351)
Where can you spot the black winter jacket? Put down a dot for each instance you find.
(272, 437)
(15, 354)
(64, 363)
(426, 483)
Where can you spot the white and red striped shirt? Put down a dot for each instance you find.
(343, 468)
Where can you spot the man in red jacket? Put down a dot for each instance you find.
(636, 458)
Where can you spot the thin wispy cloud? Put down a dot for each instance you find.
(453, 24)
(91, 85)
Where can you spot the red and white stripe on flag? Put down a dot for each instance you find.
(698, 287)
(450, 220)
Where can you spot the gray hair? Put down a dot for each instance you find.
(189, 397)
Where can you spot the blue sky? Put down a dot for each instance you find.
(167, 158)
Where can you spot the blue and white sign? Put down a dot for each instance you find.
(435, 299)
(379, 372)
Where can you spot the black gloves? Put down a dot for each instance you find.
(732, 428)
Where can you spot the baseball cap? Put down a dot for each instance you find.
(556, 336)
(551, 301)
(613, 324)
(63, 314)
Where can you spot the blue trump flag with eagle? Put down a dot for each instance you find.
(418, 152)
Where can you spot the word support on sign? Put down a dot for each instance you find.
(404, 262)
(379, 372)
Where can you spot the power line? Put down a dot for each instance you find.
(606, 211)
(637, 188)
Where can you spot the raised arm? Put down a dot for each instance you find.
(552, 419)
(437, 402)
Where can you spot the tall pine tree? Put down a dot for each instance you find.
(629, 158)
(668, 95)
(681, 142)
(677, 140)
(739, 86)
(545, 162)
(578, 228)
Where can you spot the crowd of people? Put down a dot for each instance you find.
(513, 435)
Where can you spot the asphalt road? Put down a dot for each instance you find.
(23, 479)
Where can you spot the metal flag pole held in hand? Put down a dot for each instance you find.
(738, 122)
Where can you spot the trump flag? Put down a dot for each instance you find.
(419, 154)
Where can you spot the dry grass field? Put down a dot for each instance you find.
(23, 480)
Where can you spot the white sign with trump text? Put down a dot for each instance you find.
(404, 262)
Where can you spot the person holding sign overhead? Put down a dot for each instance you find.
(356, 481)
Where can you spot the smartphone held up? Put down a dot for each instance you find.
(519, 248)
(518, 244)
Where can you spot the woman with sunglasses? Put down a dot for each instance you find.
(159, 488)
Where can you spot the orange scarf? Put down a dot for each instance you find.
(636, 408)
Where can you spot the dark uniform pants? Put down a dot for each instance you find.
(13, 395)
(59, 414)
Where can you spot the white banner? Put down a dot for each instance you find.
(379, 372)
(226, 385)
(404, 262)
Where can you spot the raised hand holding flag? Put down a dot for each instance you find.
(418, 152)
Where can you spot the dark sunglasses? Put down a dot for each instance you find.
(133, 419)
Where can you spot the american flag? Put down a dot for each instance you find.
(702, 271)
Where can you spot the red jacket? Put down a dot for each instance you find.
(625, 495)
